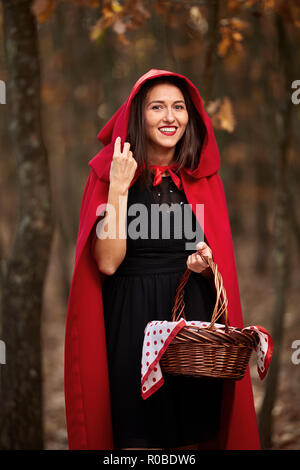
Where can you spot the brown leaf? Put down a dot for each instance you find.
(42, 9)
(224, 45)
(224, 117)
(141, 8)
(237, 36)
(107, 13)
(233, 4)
(250, 3)
(213, 106)
(238, 24)
(99, 27)
(124, 40)
(116, 6)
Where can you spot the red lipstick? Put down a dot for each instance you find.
(168, 133)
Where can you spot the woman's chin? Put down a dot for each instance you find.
(165, 144)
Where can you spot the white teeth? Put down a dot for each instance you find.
(168, 129)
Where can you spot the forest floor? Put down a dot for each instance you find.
(257, 298)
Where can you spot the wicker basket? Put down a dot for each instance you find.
(208, 351)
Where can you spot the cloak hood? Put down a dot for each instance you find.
(87, 394)
(209, 163)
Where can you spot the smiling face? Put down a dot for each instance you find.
(166, 117)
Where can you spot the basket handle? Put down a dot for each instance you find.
(221, 297)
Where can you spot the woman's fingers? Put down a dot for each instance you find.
(117, 146)
(126, 153)
(123, 165)
(204, 249)
(202, 246)
(195, 262)
(126, 149)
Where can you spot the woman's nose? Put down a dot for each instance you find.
(169, 116)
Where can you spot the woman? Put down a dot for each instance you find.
(139, 269)
(169, 155)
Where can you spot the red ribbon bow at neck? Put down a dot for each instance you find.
(159, 169)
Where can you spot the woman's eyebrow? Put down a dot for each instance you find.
(160, 101)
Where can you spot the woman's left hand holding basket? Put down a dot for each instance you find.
(196, 263)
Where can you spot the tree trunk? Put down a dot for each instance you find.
(280, 237)
(25, 269)
(264, 145)
(211, 51)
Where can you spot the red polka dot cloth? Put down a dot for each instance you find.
(159, 334)
(264, 350)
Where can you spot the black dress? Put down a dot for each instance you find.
(185, 410)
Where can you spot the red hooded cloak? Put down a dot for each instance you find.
(87, 394)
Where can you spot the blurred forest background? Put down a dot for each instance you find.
(67, 67)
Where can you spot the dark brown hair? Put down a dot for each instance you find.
(188, 148)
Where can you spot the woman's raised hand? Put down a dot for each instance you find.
(195, 262)
(123, 166)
